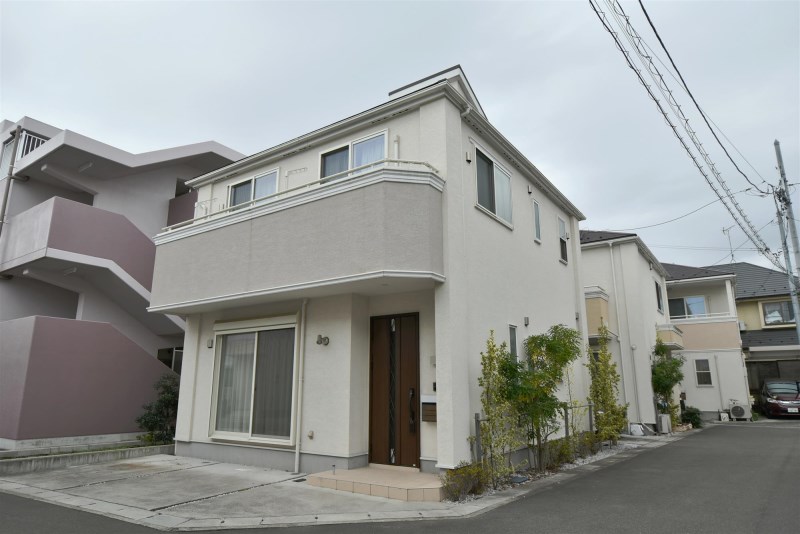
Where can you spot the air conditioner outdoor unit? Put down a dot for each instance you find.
(740, 410)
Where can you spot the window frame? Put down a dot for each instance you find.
(253, 326)
(697, 373)
(351, 153)
(659, 298)
(537, 221)
(686, 314)
(783, 324)
(495, 164)
(512, 341)
(563, 240)
(252, 180)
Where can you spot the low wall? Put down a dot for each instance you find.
(39, 463)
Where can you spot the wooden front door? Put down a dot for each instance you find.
(394, 390)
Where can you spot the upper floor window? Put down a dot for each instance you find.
(259, 187)
(778, 313)
(355, 154)
(537, 226)
(563, 235)
(683, 307)
(659, 298)
(494, 187)
(512, 340)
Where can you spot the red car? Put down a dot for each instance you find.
(780, 397)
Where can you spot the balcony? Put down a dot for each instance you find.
(374, 230)
(671, 336)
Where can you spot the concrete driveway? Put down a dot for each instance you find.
(178, 493)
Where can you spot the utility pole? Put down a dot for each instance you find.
(782, 200)
(787, 203)
(727, 232)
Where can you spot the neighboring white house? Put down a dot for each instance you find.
(702, 305)
(339, 288)
(78, 348)
(625, 289)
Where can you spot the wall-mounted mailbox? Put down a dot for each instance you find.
(429, 412)
(428, 408)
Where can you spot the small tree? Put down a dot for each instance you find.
(666, 374)
(535, 383)
(499, 432)
(160, 416)
(610, 417)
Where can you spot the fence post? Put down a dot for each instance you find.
(478, 451)
(591, 417)
(566, 421)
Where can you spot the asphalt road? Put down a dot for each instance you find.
(733, 478)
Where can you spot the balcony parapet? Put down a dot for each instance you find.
(388, 170)
(77, 233)
(670, 335)
(703, 318)
(379, 231)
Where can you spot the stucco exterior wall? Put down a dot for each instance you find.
(597, 314)
(635, 302)
(728, 376)
(41, 351)
(711, 335)
(23, 297)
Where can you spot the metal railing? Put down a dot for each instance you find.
(700, 315)
(338, 178)
(28, 143)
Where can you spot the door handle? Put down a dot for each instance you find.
(411, 418)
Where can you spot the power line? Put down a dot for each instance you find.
(689, 92)
(633, 38)
(717, 126)
(689, 247)
(676, 218)
(726, 256)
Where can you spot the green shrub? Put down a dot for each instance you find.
(465, 479)
(692, 415)
(160, 416)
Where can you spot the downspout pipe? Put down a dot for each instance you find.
(7, 188)
(300, 386)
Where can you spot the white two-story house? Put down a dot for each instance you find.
(339, 288)
(626, 292)
(702, 304)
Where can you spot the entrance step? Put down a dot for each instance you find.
(389, 482)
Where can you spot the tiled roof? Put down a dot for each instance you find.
(685, 272)
(769, 338)
(592, 236)
(753, 281)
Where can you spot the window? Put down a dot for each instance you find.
(172, 358)
(537, 227)
(255, 383)
(562, 238)
(683, 307)
(659, 298)
(335, 161)
(778, 313)
(259, 187)
(703, 372)
(512, 340)
(356, 154)
(494, 187)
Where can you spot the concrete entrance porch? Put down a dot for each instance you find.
(390, 482)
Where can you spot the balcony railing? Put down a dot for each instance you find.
(719, 315)
(208, 206)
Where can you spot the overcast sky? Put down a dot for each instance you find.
(149, 75)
